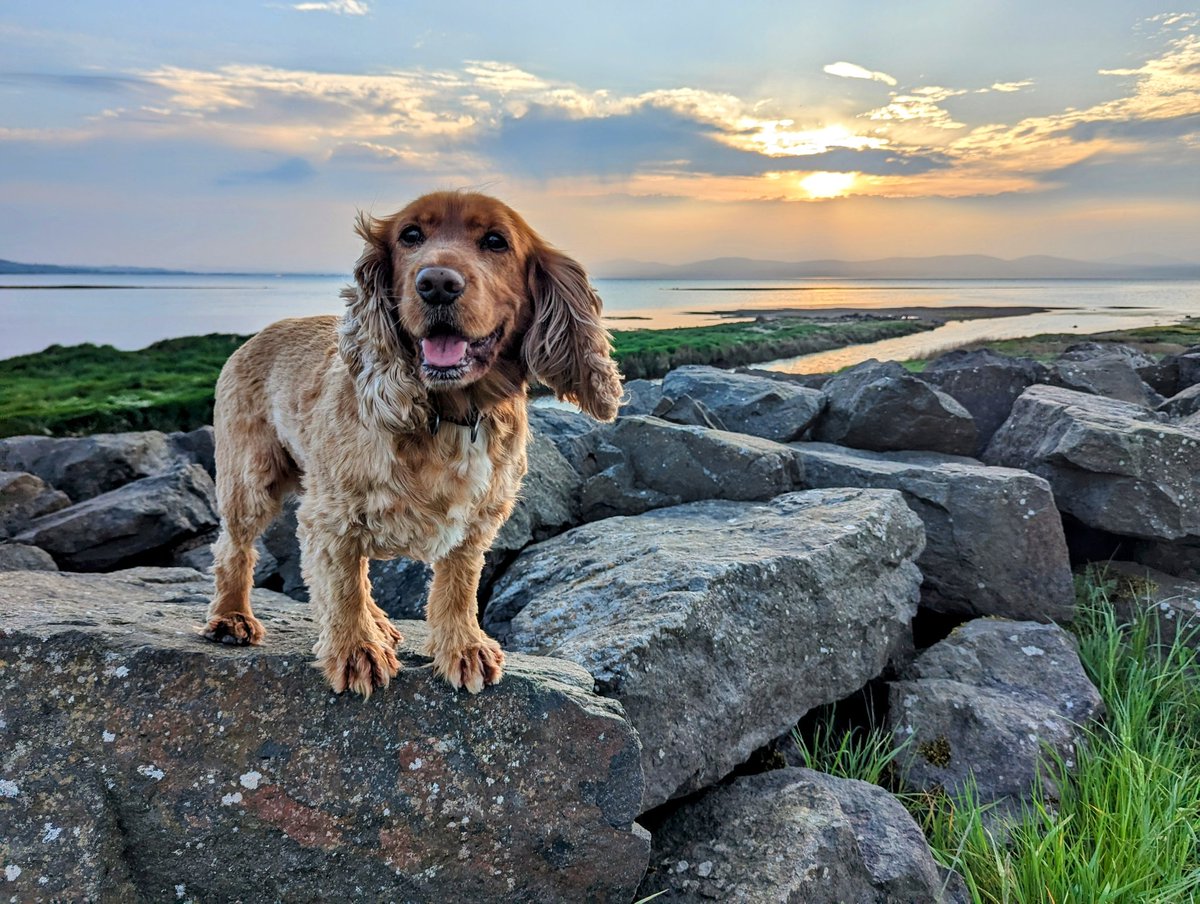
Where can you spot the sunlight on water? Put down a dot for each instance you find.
(133, 311)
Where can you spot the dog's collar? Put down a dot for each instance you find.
(473, 420)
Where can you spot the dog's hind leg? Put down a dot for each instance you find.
(254, 474)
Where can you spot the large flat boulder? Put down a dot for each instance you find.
(772, 409)
(994, 542)
(643, 463)
(795, 835)
(882, 407)
(1113, 465)
(139, 763)
(983, 703)
(719, 624)
(128, 525)
(86, 466)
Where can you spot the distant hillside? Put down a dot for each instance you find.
(17, 267)
(957, 266)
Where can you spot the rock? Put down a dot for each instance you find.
(197, 446)
(645, 463)
(1113, 465)
(985, 383)
(812, 381)
(882, 407)
(1173, 602)
(128, 525)
(719, 624)
(641, 396)
(1187, 369)
(686, 410)
(549, 500)
(1180, 559)
(18, 557)
(280, 541)
(994, 541)
(1106, 370)
(1182, 404)
(794, 835)
(86, 466)
(400, 586)
(213, 773)
(568, 430)
(984, 702)
(772, 409)
(24, 497)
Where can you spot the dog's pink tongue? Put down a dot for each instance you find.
(443, 351)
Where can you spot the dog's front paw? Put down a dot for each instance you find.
(361, 669)
(472, 665)
(237, 629)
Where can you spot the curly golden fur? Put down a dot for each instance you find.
(403, 424)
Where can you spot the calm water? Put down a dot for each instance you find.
(131, 312)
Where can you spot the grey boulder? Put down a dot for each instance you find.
(24, 497)
(1113, 465)
(1183, 403)
(719, 624)
(1111, 371)
(882, 407)
(994, 542)
(644, 463)
(798, 836)
(772, 409)
(19, 557)
(86, 466)
(129, 525)
(985, 383)
(983, 703)
(143, 764)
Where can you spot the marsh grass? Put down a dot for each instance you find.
(71, 390)
(1125, 824)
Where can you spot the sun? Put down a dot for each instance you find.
(827, 185)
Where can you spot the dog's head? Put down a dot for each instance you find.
(457, 292)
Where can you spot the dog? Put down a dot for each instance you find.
(403, 425)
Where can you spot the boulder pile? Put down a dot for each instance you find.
(676, 590)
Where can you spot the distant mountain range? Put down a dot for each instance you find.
(954, 266)
(16, 267)
(949, 266)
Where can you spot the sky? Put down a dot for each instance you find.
(245, 135)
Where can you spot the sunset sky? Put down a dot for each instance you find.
(246, 134)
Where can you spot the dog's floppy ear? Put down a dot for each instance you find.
(370, 340)
(567, 348)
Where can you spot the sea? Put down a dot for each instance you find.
(130, 312)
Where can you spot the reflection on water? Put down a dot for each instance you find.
(132, 311)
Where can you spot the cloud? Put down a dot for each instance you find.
(292, 171)
(852, 70)
(341, 7)
(1009, 87)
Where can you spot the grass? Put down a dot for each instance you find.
(1126, 826)
(169, 385)
(91, 388)
(1154, 340)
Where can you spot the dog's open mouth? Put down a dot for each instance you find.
(447, 355)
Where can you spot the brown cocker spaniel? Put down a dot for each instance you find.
(404, 423)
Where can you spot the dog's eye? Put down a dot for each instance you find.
(494, 241)
(411, 235)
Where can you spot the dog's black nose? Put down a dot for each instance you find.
(440, 285)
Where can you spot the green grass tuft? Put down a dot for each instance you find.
(1126, 825)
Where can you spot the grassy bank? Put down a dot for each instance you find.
(1154, 340)
(169, 385)
(1126, 827)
